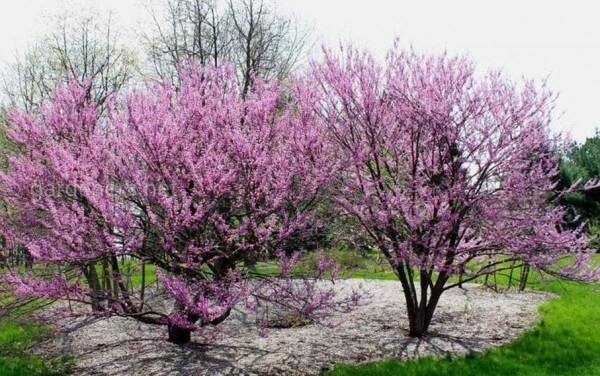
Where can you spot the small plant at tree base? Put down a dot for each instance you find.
(444, 169)
(345, 259)
(286, 320)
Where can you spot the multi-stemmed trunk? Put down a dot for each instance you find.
(419, 317)
(420, 304)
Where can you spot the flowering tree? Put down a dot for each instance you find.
(448, 171)
(191, 180)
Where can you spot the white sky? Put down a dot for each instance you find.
(531, 38)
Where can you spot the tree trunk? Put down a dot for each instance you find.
(416, 323)
(178, 335)
(461, 275)
(510, 276)
(93, 280)
(524, 277)
(419, 318)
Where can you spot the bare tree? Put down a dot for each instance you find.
(185, 29)
(26, 82)
(85, 48)
(247, 33)
(265, 44)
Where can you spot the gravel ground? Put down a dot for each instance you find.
(470, 320)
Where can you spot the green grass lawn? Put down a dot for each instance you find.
(15, 339)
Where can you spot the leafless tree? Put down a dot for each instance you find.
(186, 29)
(265, 44)
(85, 48)
(247, 33)
(25, 83)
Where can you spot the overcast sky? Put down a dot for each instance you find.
(535, 39)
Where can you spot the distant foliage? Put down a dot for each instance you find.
(582, 163)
